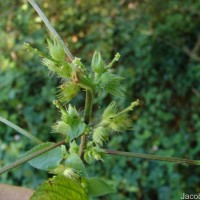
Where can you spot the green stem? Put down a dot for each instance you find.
(20, 130)
(153, 157)
(29, 157)
(87, 118)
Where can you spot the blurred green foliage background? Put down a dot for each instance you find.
(160, 46)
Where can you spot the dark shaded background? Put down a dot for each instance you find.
(160, 46)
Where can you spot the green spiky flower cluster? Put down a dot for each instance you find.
(74, 125)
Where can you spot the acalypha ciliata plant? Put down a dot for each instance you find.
(83, 135)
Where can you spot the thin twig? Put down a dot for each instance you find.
(20, 130)
(153, 157)
(29, 157)
(51, 28)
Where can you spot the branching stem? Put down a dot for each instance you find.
(153, 157)
(87, 118)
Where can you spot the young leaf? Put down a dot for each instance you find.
(61, 127)
(56, 50)
(63, 69)
(76, 129)
(75, 162)
(99, 187)
(58, 188)
(75, 123)
(48, 160)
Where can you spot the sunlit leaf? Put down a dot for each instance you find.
(71, 125)
(56, 50)
(60, 188)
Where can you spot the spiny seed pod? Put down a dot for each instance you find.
(71, 173)
(100, 135)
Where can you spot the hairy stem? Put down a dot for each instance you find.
(153, 157)
(29, 157)
(20, 130)
(87, 117)
(51, 28)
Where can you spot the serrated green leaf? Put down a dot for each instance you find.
(75, 162)
(71, 125)
(50, 64)
(48, 160)
(60, 188)
(99, 187)
(76, 125)
(60, 127)
(63, 69)
(56, 50)
(76, 129)
(72, 111)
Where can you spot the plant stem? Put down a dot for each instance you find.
(51, 29)
(29, 157)
(153, 157)
(87, 118)
(20, 130)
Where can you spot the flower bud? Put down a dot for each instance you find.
(97, 62)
